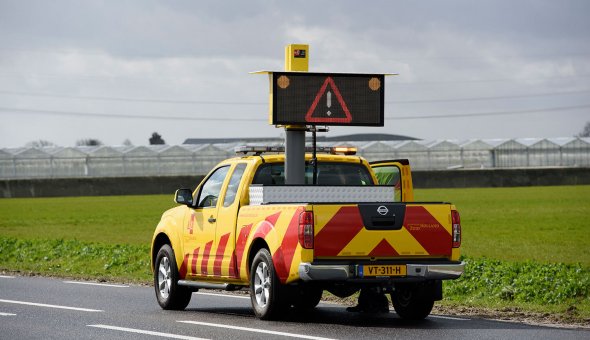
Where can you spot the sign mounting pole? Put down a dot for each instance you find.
(296, 59)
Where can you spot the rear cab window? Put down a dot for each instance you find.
(329, 173)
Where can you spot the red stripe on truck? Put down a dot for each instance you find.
(241, 245)
(219, 254)
(431, 235)
(194, 261)
(272, 219)
(205, 261)
(183, 267)
(383, 249)
(283, 257)
(338, 232)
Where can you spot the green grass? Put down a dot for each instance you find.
(103, 219)
(522, 281)
(71, 258)
(525, 247)
(547, 224)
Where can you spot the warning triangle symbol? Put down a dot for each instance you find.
(328, 106)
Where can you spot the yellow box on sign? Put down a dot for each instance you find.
(297, 58)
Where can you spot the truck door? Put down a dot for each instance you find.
(227, 214)
(397, 173)
(201, 222)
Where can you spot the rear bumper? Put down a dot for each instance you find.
(313, 272)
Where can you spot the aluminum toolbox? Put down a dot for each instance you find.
(260, 194)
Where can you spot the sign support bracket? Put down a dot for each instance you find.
(296, 59)
(314, 158)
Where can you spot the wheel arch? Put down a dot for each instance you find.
(160, 240)
(257, 244)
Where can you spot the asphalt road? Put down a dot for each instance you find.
(46, 308)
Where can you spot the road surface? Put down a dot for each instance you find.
(49, 308)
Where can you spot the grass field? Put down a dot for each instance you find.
(103, 219)
(526, 247)
(548, 224)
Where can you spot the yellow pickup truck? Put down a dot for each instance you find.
(353, 227)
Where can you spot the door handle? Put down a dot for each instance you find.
(212, 219)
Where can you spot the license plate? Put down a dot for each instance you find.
(382, 270)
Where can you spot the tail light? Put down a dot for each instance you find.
(456, 219)
(306, 229)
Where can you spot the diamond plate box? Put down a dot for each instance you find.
(260, 194)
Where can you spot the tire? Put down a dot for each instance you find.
(307, 298)
(412, 301)
(265, 288)
(169, 294)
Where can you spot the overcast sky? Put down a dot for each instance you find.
(71, 70)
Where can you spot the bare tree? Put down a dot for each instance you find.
(88, 142)
(585, 131)
(40, 143)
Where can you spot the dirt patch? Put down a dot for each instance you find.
(569, 319)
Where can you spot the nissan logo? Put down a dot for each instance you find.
(382, 210)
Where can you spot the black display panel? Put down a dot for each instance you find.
(327, 99)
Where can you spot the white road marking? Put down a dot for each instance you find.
(96, 284)
(140, 331)
(6, 277)
(448, 318)
(7, 314)
(225, 295)
(256, 330)
(50, 306)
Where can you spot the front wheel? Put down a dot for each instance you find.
(168, 293)
(412, 301)
(265, 287)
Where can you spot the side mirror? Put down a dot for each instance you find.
(184, 196)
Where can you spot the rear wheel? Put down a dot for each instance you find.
(168, 293)
(412, 301)
(307, 297)
(265, 287)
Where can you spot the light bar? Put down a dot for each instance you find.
(344, 150)
(258, 150)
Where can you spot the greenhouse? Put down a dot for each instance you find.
(199, 159)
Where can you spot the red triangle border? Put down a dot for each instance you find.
(310, 119)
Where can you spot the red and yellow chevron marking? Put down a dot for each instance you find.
(278, 227)
(219, 255)
(205, 258)
(341, 233)
(241, 245)
(283, 256)
(182, 270)
(194, 261)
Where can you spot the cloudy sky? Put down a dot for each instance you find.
(120, 70)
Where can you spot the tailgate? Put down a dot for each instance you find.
(382, 231)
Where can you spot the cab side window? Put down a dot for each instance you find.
(390, 175)
(212, 187)
(234, 184)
